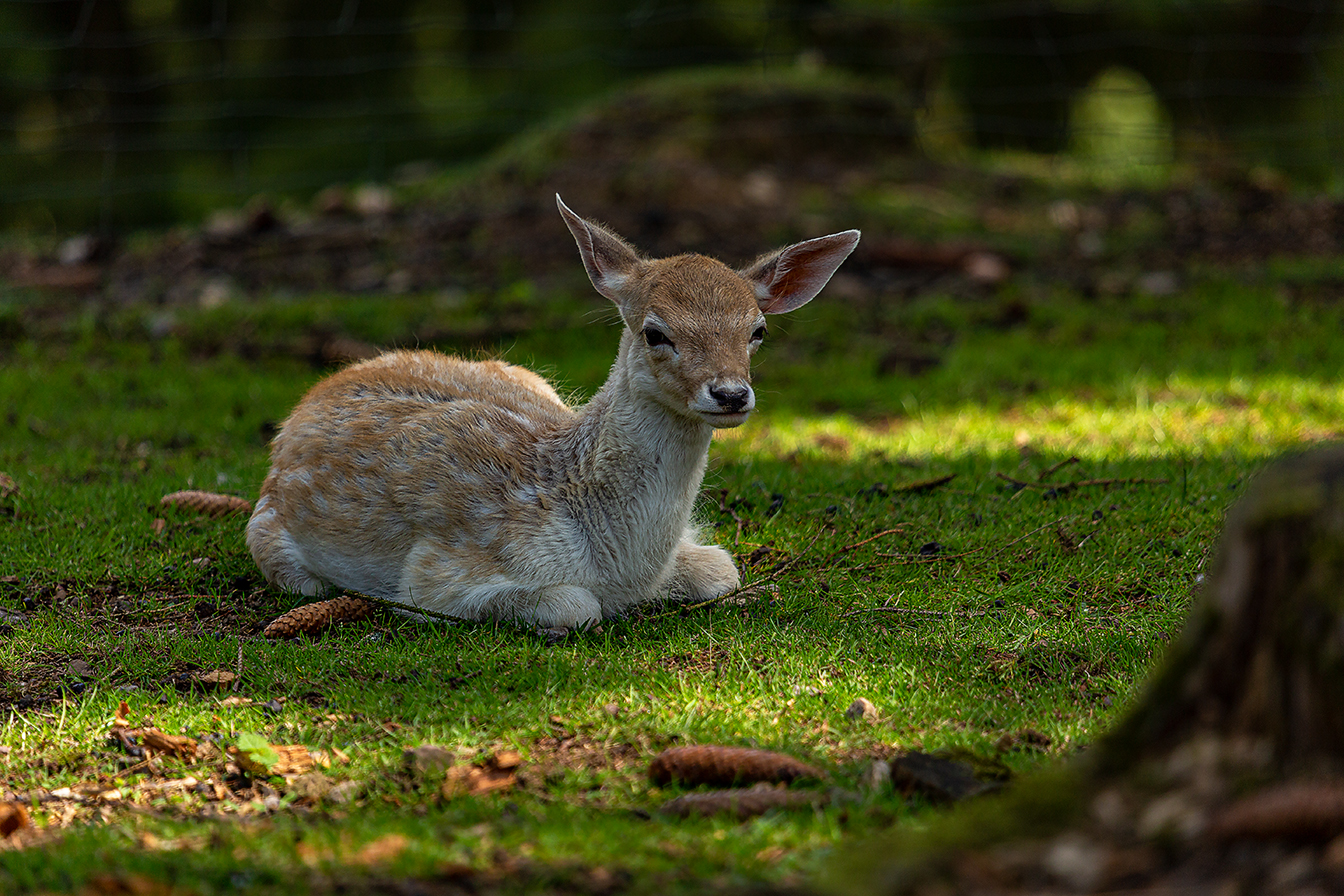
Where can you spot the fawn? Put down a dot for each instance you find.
(472, 489)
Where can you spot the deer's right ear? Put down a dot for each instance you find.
(608, 259)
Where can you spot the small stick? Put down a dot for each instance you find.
(1084, 483)
(406, 608)
(724, 508)
(937, 559)
(922, 485)
(858, 544)
(915, 612)
(1050, 471)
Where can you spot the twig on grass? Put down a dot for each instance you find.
(1061, 487)
(914, 612)
(858, 544)
(1052, 470)
(907, 559)
(724, 508)
(922, 485)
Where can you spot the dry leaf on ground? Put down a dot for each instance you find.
(13, 817)
(219, 679)
(291, 759)
(498, 772)
(149, 739)
(161, 742)
(383, 850)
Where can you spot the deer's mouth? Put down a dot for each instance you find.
(725, 419)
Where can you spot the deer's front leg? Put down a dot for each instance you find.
(701, 571)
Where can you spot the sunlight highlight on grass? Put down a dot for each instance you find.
(1246, 416)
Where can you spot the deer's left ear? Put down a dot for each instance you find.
(791, 277)
(609, 260)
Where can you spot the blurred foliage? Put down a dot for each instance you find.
(125, 112)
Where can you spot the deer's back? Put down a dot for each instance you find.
(407, 442)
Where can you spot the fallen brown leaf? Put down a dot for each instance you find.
(498, 772)
(216, 678)
(127, 885)
(161, 742)
(383, 850)
(13, 817)
(295, 759)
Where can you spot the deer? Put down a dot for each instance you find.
(471, 489)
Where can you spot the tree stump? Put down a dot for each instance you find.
(1228, 776)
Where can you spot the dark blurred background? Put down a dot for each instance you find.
(123, 113)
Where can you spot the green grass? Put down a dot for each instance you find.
(1042, 609)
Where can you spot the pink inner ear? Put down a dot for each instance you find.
(798, 276)
(801, 270)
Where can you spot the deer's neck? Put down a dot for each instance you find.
(636, 453)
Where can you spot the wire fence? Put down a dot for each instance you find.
(116, 113)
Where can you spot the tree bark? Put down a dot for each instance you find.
(1229, 774)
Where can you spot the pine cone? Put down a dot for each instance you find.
(1297, 811)
(725, 766)
(742, 803)
(310, 619)
(208, 503)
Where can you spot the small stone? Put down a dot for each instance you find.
(1077, 862)
(985, 268)
(877, 776)
(310, 786)
(79, 249)
(372, 201)
(345, 792)
(1171, 814)
(1158, 283)
(612, 709)
(427, 758)
(1112, 811)
(80, 669)
(862, 708)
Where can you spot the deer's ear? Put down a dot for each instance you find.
(791, 277)
(608, 259)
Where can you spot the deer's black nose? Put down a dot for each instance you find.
(731, 399)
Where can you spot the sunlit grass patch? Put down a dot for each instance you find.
(1182, 415)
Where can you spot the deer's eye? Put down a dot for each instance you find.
(759, 334)
(654, 336)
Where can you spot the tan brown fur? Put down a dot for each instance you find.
(471, 488)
